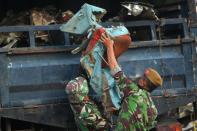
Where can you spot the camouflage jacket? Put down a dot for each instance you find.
(138, 111)
(86, 112)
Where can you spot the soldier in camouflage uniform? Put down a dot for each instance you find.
(138, 112)
(87, 115)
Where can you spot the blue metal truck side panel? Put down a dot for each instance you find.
(37, 79)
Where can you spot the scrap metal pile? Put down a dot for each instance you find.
(35, 16)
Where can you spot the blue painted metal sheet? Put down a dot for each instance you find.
(170, 62)
(36, 79)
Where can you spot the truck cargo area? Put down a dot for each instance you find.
(36, 60)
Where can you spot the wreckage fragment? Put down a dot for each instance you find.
(36, 16)
(137, 10)
(40, 17)
(11, 39)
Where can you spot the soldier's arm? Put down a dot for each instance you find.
(109, 44)
(121, 80)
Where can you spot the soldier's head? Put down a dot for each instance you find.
(77, 89)
(150, 80)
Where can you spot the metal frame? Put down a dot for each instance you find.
(152, 24)
(31, 31)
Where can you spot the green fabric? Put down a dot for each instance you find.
(138, 111)
(86, 113)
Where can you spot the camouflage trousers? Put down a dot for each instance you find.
(88, 117)
(86, 112)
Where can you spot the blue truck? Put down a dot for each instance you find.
(32, 80)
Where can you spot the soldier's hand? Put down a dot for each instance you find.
(106, 40)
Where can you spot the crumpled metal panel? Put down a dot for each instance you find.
(83, 19)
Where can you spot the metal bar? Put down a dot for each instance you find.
(130, 23)
(175, 92)
(153, 32)
(172, 21)
(38, 50)
(139, 23)
(56, 27)
(3, 50)
(27, 28)
(155, 43)
(47, 27)
(32, 39)
(169, 8)
(152, 24)
(66, 39)
(14, 29)
(185, 29)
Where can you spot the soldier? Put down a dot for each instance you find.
(138, 111)
(87, 115)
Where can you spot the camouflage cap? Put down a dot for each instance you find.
(78, 87)
(154, 77)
